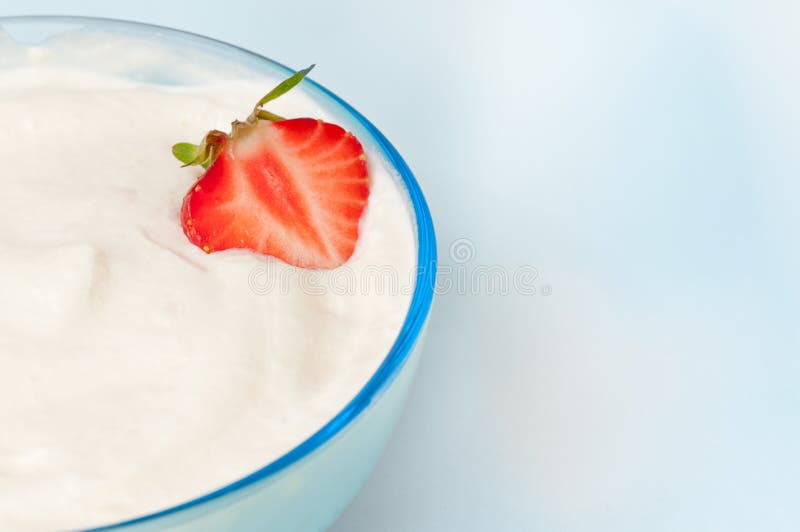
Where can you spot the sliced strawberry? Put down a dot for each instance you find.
(293, 189)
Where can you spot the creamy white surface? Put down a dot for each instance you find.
(136, 371)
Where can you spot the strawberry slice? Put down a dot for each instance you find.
(293, 189)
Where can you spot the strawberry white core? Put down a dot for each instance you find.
(137, 371)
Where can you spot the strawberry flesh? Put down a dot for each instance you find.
(293, 189)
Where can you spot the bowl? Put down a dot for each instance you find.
(309, 486)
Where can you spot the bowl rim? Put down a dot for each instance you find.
(418, 310)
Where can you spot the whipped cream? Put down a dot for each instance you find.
(137, 372)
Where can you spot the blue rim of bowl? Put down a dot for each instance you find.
(415, 318)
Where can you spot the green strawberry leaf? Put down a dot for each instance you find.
(186, 152)
(284, 86)
(263, 114)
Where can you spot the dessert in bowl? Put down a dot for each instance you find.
(150, 380)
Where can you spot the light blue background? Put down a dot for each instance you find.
(644, 158)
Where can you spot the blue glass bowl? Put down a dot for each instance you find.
(306, 488)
